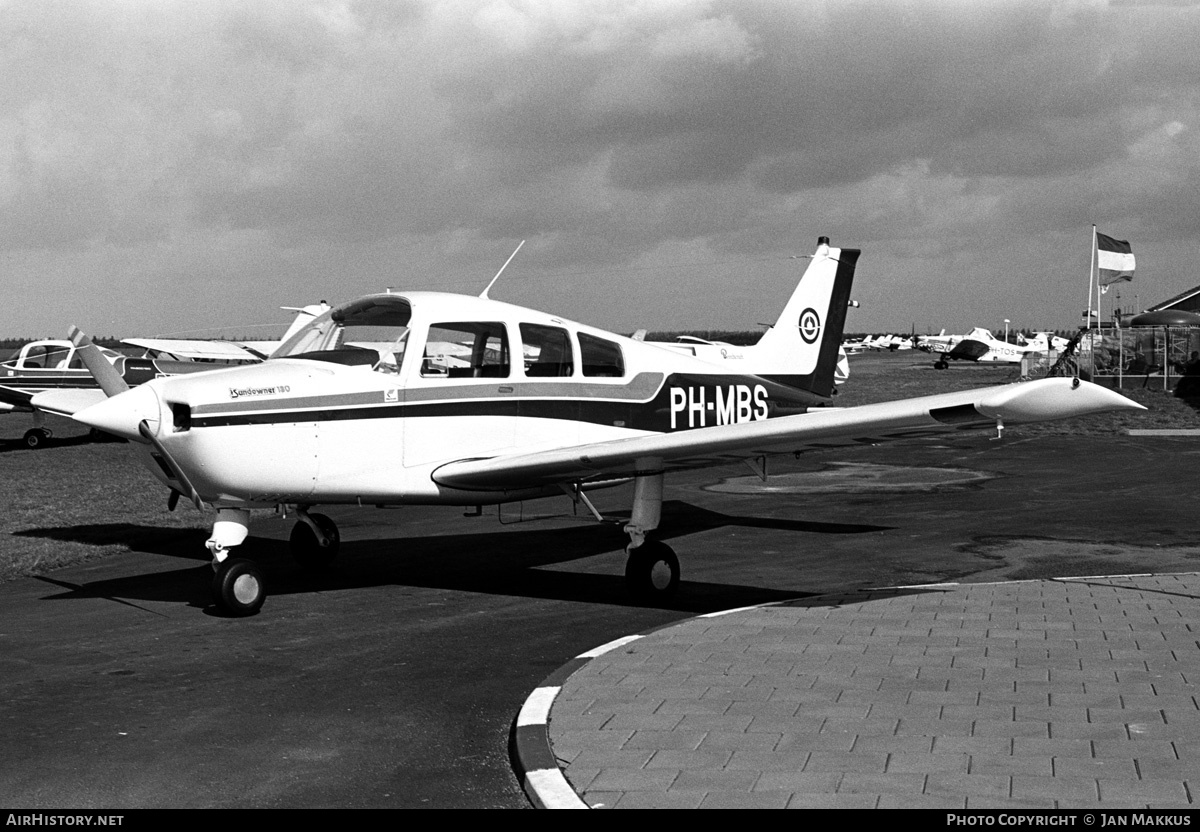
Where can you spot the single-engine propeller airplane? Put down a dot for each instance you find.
(979, 345)
(365, 406)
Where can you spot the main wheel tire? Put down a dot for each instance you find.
(36, 437)
(652, 571)
(238, 587)
(304, 546)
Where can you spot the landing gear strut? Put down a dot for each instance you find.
(652, 569)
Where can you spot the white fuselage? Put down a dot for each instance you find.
(373, 426)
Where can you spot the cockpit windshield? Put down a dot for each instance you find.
(371, 331)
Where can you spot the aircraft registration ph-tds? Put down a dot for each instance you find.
(366, 405)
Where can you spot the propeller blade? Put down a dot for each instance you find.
(102, 370)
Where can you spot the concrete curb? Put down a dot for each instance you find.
(533, 755)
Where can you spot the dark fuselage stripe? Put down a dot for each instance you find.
(598, 412)
(654, 414)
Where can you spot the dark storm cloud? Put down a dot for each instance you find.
(612, 134)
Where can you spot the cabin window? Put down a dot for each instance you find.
(466, 350)
(547, 351)
(47, 357)
(601, 358)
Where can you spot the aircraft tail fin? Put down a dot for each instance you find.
(801, 350)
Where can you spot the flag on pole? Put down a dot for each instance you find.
(1114, 260)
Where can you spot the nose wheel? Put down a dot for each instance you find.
(238, 587)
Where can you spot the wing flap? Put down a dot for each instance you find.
(1043, 400)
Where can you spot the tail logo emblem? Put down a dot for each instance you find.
(810, 325)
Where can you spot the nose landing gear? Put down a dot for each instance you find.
(237, 586)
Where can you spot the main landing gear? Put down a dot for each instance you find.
(315, 540)
(36, 437)
(652, 569)
(238, 586)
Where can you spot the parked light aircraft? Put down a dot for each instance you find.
(225, 351)
(878, 343)
(937, 343)
(980, 345)
(58, 365)
(543, 406)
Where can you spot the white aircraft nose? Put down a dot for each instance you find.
(122, 414)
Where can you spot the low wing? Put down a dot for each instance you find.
(65, 402)
(1034, 401)
(203, 350)
(14, 398)
(970, 349)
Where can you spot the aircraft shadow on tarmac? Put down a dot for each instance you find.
(503, 562)
(7, 445)
(59, 441)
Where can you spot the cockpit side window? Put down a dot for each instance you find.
(601, 358)
(372, 332)
(466, 350)
(547, 351)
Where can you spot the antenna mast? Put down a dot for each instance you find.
(484, 293)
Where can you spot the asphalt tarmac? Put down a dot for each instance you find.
(395, 679)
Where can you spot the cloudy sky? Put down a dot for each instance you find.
(172, 167)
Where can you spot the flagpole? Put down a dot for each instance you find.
(1092, 281)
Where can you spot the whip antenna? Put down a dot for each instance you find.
(484, 293)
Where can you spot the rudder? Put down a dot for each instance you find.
(801, 349)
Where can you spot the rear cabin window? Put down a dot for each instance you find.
(547, 351)
(466, 350)
(601, 358)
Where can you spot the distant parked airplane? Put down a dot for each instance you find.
(56, 365)
(981, 346)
